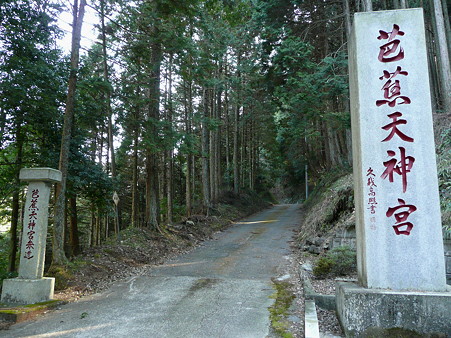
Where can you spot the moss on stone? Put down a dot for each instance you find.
(398, 332)
(29, 307)
(62, 275)
(279, 311)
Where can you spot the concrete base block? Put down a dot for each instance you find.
(27, 291)
(385, 313)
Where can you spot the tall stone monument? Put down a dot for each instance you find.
(31, 287)
(400, 252)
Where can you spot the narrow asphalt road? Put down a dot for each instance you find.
(220, 289)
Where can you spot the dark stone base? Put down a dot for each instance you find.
(384, 313)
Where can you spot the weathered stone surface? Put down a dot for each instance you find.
(307, 266)
(318, 241)
(387, 79)
(311, 320)
(314, 250)
(19, 313)
(374, 313)
(27, 291)
(40, 174)
(32, 253)
(344, 237)
(30, 287)
(448, 266)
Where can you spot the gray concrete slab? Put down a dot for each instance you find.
(220, 289)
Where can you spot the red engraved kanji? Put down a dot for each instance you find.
(394, 128)
(398, 71)
(28, 254)
(401, 217)
(33, 204)
(32, 215)
(391, 47)
(392, 103)
(31, 234)
(31, 225)
(29, 245)
(35, 193)
(372, 208)
(401, 167)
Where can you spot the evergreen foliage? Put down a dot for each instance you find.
(177, 104)
(339, 261)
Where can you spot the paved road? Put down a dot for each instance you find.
(220, 289)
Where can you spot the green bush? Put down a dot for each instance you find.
(337, 262)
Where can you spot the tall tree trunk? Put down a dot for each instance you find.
(212, 146)
(227, 133)
(106, 78)
(367, 5)
(135, 197)
(73, 235)
(242, 149)
(235, 160)
(189, 158)
(14, 242)
(442, 49)
(347, 14)
(447, 24)
(236, 168)
(205, 154)
(152, 168)
(432, 60)
(135, 171)
(58, 255)
(170, 160)
(93, 226)
(218, 175)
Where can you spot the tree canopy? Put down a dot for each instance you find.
(177, 102)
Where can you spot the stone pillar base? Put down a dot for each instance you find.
(385, 313)
(28, 291)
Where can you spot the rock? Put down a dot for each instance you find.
(318, 241)
(307, 266)
(314, 249)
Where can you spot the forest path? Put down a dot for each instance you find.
(220, 289)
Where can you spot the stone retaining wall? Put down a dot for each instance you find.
(347, 237)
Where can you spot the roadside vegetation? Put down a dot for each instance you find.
(330, 209)
(186, 111)
(97, 267)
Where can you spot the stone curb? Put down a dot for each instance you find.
(311, 320)
(326, 302)
(17, 314)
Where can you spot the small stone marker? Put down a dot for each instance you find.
(31, 287)
(399, 230)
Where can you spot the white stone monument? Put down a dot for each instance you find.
(30, 286)
(398, 220)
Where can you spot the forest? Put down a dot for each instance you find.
(178, 103)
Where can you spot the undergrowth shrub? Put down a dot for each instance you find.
(337, 262)
(4, 259)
